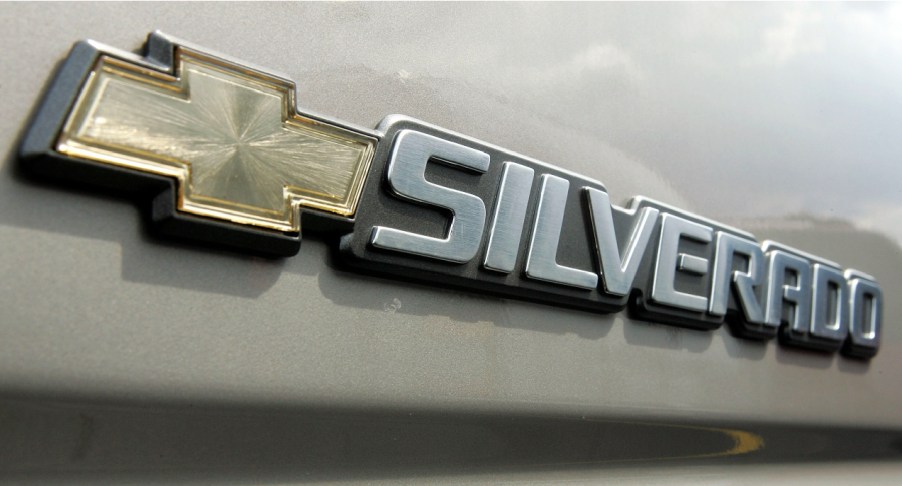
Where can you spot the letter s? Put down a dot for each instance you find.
(406, 174)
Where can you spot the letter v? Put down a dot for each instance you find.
(618, 270)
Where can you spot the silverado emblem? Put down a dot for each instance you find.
(226, 158)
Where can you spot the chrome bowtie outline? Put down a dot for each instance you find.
(226, 157)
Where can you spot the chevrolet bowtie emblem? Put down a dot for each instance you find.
(225, 156)
(230, 135)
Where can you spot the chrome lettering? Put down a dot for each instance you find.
(865, 315)
(509, 216)
(796, 295)
(541, 263)
(829, 314)
(674, 228)
(406, 177)
(744, 283)
(618, 269)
